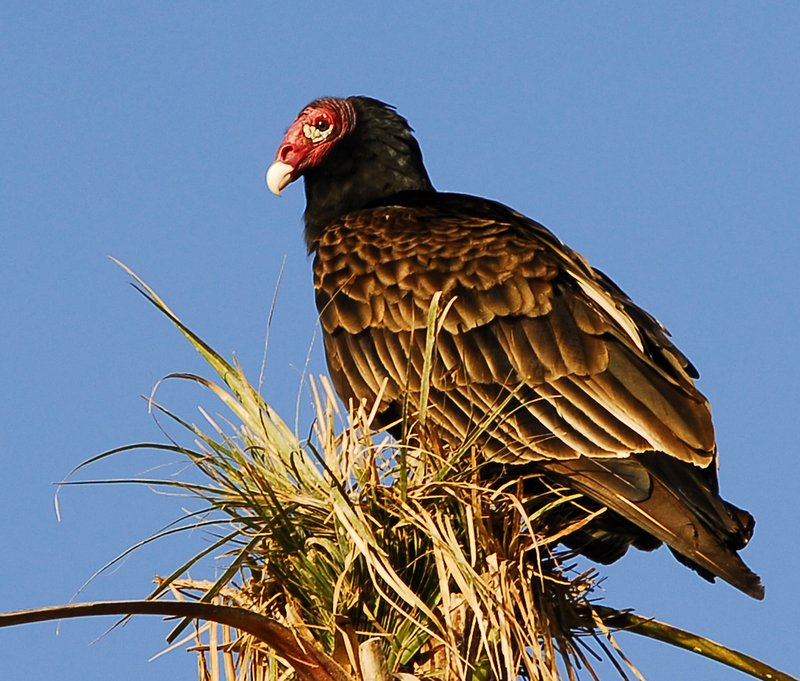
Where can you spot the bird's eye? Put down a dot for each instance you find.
(318, 128)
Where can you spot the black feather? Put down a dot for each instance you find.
(581, 387)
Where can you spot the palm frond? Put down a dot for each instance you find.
(379, 555)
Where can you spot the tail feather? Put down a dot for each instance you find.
(676, 506)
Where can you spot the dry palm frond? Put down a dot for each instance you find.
(393, 560)
(346, 539)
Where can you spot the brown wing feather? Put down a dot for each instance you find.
(517, 318)
(581, 371)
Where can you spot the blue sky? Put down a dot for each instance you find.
(659, 139)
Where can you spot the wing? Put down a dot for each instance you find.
(540, 357)
(579, 369)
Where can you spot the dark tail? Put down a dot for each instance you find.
(676, 503)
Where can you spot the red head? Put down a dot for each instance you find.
(313, 134)
(351, 153)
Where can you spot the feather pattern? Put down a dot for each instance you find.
(540, 361)
(574, 376)
(525, 321)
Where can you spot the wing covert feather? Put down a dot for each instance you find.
(519, 316)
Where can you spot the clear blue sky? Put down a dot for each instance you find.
(659, 139)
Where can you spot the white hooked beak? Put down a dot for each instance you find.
(278, 176)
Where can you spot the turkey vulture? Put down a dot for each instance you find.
(540, 357)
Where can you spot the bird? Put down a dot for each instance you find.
(540, 358)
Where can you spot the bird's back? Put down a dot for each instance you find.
(539, 360)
